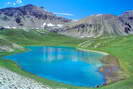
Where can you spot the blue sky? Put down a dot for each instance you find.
(76, 9)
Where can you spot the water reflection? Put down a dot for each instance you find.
(55, 54)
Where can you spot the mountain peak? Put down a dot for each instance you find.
(31, 6)
(29, 16)
(30, 10)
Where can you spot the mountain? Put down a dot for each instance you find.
(29, 17)
(101, 25)
(33, 17)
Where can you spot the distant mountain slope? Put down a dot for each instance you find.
(101, 25)
(30, 17)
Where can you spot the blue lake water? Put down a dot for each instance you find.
(62, 64)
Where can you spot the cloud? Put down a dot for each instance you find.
(15, 3)
(65, 14)
(19, 1)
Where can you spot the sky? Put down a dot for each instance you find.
(75, 9)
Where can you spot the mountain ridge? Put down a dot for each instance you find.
(34, 17)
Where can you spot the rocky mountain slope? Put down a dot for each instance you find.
(33, 17)
(101, 25)
(29, 17)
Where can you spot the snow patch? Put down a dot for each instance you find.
(50, 25)
(59, 25)
(44, 24)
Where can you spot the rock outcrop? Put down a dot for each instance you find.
(112, 70)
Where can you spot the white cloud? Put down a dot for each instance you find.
(65, 14)
(19, 1)
(15, 3)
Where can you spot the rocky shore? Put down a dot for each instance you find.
(111, 69)
(11, 80)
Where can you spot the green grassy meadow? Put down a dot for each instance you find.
(120, 47)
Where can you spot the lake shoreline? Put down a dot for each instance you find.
(111, 69)
(109, 62)
(104, 53)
